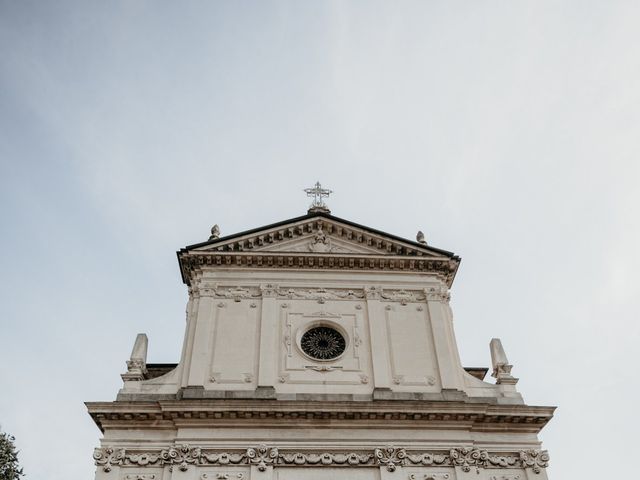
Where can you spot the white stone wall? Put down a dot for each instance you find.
(243, 332)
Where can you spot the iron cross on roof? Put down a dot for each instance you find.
(318, 193)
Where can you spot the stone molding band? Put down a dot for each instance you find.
(192, 262)
(263, 456)
(321, 295)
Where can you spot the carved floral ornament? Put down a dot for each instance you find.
(438, 293)
(262, 456)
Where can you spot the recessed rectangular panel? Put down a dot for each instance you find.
(234, 343)
(410, 346)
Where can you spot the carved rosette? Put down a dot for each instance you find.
(262, 456)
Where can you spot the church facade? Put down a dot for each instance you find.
(317, 348)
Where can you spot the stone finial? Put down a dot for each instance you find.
(501, 366)
(215, 232)
(137, 363)
(420, 237)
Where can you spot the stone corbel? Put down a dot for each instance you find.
(137, 363)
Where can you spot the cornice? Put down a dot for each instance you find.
(192, 262)
(294, 414)
(254, 249)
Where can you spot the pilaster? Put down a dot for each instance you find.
(200, 354)
(444, 341)
(268, 364)
(379, 344)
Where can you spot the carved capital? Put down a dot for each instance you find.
(390, 457)
(372, 293)
(438, 294)
(536, 460)
(269, 290)
(108, 457)
(262, 456)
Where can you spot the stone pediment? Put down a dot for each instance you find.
(318, 240)
(319, 234)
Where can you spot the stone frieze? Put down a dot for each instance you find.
(262, 456)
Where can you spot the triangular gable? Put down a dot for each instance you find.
(318, 240)
(319, 233)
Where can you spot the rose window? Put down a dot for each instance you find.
(323, 343)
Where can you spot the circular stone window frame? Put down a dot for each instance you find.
(326, 324)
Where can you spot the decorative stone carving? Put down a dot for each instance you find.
(137, 363)
(468, 457)
(143, 459)
(390, 457)
(402, 296)
(182, 456)
(215, 232)
(320, 242)
(429, 476)
(501, 366)
(108, 457)
(140, 476)
(372, 293)
(236, 293)
(323, 368)
(438, 294)
(427, 459)
(221, 476)
(262, 456)
(325, 459)
(505, 477)
(534, 459)
(192, 262)
(320, 294)
(269, 290)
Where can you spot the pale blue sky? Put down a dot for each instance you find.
(508, 132)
